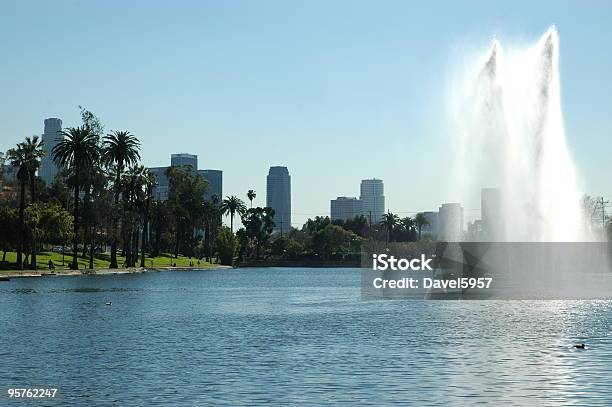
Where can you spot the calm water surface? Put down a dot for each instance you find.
(292, 336)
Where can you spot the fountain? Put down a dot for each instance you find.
(509, 124)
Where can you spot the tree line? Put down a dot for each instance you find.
(102, 203)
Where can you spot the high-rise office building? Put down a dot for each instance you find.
(278, 197)
(215, 183)
(213, 177)
(51, 137)
(161, 190)
(344, 208)
(431, 227)
(183, 160)
(372, 199)
(450, 222)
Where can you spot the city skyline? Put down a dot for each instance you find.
(371, 198)
(357, 94)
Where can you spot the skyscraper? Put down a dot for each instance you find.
(214, 177)
(450, 222)
(184, 159)
(215, 183)
(51, 137)
(372, 199)
(344, 208)
(278, 197)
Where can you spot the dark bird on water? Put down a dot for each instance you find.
(580, 346)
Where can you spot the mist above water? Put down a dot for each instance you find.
(509, 123)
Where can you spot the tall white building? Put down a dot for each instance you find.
(345, 208)
(372, 200)
(278, 197)
(450, 222)
(51, 137)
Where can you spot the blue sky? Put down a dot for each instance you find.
(335, 90)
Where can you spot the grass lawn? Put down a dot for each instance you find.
(102, 260)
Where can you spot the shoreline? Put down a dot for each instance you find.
(8, 274)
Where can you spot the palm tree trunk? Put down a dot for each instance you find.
(21, 231)
(135, 254)
(232, 223)
(33, 199)
(113, 260)
(145, 233)
(92, 244)
(75, 254)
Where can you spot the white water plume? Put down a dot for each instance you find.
(509, 121)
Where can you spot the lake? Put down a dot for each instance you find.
(291, 337)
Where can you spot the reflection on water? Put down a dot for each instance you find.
(285, 337)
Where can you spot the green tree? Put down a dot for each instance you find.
(34, 153)
(150, 182)
(231, 206)
(314, 225)
(421, 220)
(77, 151)
(186, 200)
(18, 159)
(211, 215)
(333, 239)
(389, 222)
(286, 247)
(160, 224)
(8, 224)
(258, 224)
(119, 149)
(227, 246)
(56, 223)
(251, 195)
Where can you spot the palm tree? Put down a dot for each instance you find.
(33, 153)
(210, 212)
(17, 158)
(421, 220)
(119, 149)
(150, 182)
(389, 221)
(133, 199)
(251, 195)
(77, 151)
(409, 225)
(230, 206)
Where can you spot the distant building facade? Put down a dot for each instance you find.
(161, 190)
(51, 137)
(215, 183)
(184, 160)
(372, 200)
(278, 197)
(431, 227)
(344, 208)
(213, 177)
(450, 222)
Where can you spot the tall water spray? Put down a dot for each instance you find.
(511, 138)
